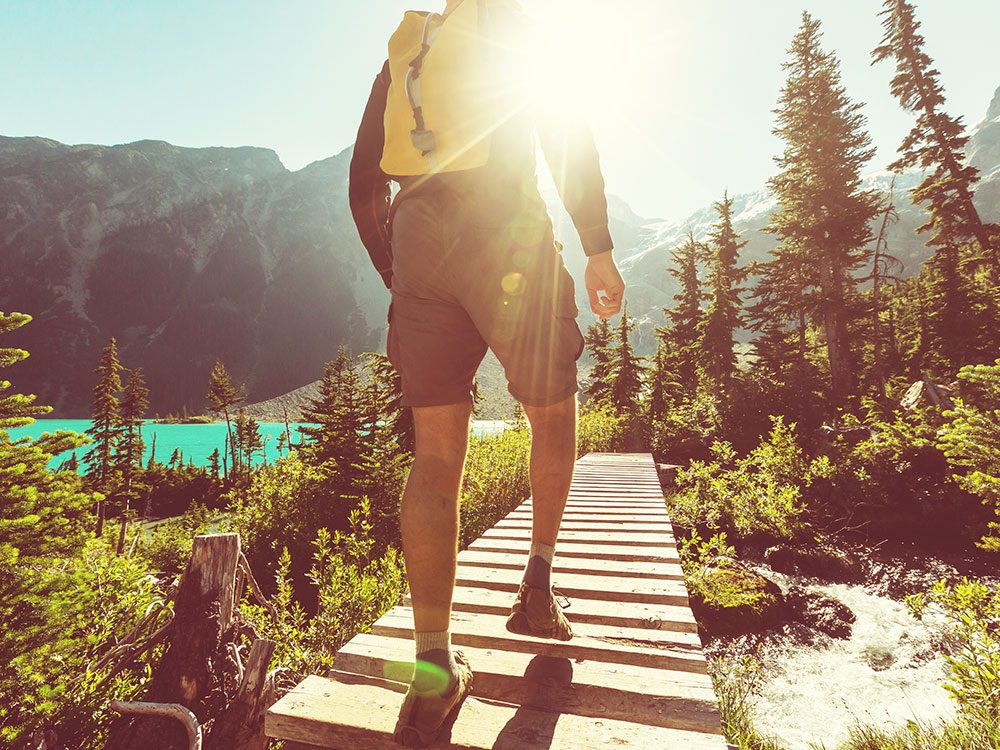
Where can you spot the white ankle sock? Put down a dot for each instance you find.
(544, 551)
(429, 640)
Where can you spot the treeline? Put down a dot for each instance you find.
(837, 338)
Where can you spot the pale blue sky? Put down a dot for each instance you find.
(682, 100)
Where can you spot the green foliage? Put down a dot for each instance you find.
(106, 421)
(687, 430)
(972, 440)
(66, 682)
(737, 683)
(759, 493)
(354, 588)
(167, 547)
(495, 481)
(599, 429)
(973, 656)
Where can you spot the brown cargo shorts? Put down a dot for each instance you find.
(462, 283)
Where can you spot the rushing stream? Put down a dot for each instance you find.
(813, 688)
(887, 672)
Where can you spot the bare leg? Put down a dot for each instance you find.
(429, 512)
(553, 454)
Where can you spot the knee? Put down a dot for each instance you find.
(562, 414)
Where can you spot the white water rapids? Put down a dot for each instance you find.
(888, 672)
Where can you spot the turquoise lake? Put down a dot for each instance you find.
(195, 441)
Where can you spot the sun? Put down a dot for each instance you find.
(580, 53)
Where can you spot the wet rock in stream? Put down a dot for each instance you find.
(819, 612)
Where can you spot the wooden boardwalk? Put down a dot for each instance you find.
(633, 676)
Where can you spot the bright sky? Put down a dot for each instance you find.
(680, 99)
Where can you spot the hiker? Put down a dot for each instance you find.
(467, 251)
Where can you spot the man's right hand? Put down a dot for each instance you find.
(605, 286)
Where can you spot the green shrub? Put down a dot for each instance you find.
(600, 429)
(354, 588)
(686, 431)
(759, 493)
(973, 612)
(971, 440)
(495, 482)
(68, 683)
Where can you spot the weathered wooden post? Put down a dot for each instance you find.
(200, 668)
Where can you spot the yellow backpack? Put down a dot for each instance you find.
(444, 101)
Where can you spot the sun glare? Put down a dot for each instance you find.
(581, 53)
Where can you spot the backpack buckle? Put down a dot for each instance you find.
(423, 141)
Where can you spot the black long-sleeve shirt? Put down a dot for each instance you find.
(506, 187)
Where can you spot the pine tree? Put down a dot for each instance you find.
(44, 519)
(885, 268)
(599, 344)
(335, 442)
(222, 396)
(214, 465)
(683, 330)
(718, 356)
(176, 459)
(936, 144)
(16, 410)
(661, 385)
(824, 215)
(105, 429)
(626, 369)
(249, 440)
(134, 405)
(389, 393)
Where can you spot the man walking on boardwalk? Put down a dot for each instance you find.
(467, 251)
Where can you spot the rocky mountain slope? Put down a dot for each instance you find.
(184, 255)
(188, 255)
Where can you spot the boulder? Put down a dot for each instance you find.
(731, 599)
(820, 612)
(819, 561)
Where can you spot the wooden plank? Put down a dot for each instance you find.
(581, 566)
(578, 550)
(660, 540)
(679, 700)
(595, 611)
(351, 711)
(681, 653)
(575, 586)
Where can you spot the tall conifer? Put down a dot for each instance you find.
(599, 344)
(824, 215)
(105, 428)
(222, 396)
(718, 356)
(936, 144)
(626, 368)
(684, 320)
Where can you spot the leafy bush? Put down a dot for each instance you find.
(759, 493)
(114, 605)
(972, 440)
(600, 429)
(354, 588)
(686, 431)
(168, 547)
(973, 655)
(495, 482)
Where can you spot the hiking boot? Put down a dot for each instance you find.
(426, 717)
(537, 613)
